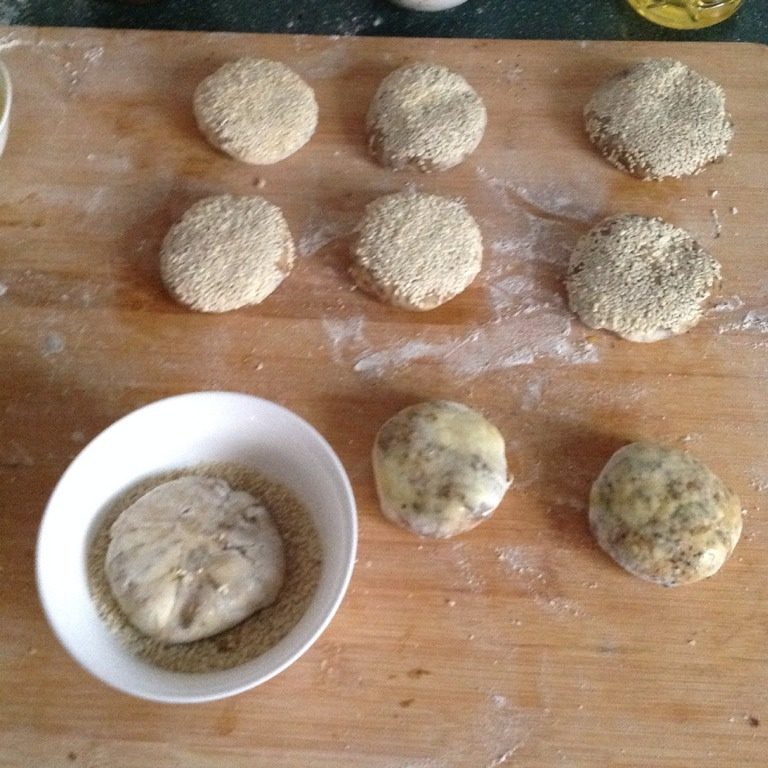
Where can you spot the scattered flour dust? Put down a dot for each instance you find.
(503, 730)
(538, 332)
(322, 227)
(53, 343)
(525, 568)
(760, 484)
(330, 62)
(580, 202)
(469, 577)
(3, 289)
(71, 61)
(726, 304)
(529, 322)
(754, 321)
(526, 254)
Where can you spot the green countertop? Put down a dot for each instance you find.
(538, 19)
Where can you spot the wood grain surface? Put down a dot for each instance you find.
(518, 643)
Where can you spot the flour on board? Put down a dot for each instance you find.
(547, 199)
(754, 321)
(53, 343)
(529, 321)
(323, 227)
(726, 304)
(330, 62)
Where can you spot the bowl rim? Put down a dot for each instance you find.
(7, 89)
(340, 584)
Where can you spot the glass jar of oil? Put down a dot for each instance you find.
(685, 14)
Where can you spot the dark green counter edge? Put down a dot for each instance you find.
(507, 19)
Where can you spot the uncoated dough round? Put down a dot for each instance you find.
(663, 515)
(642, 278)
(226, 252)
(256, 110)
(193, 557)
(440, 468)
(416, 251)
(658, 119)
(425, 116)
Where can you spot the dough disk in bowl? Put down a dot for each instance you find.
(663, 515)
(424, 116)
(440, 468)
(659, 119)
(416, 251)
(642, 278)
(256, 110)
(226, 252)
(193, 557)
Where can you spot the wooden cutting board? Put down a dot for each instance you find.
(519, 643)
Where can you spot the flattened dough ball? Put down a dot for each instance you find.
(226, 252)
(641, 278)
(193, 557)
(424, 116)
(440, 468)
(416, 251)
(256, 110)
(659, 118)
(663, 515)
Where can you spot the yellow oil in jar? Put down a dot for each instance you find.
(685, 14)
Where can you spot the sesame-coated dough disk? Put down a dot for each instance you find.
(663, 515)
(226, 252)
(658, 119)
(425, 116)
(415, 250)
(256, 110)
(641, 278)
(440, 468)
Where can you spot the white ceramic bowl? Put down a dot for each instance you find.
(175, 433)
(6, 96)
(428, 5)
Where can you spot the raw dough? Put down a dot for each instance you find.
(440, 468)
(192, 558)
(659, 118)
(641, 278)
(664, 516)
(425, 116)
(256, 110)
(226, 252)
(416, 251)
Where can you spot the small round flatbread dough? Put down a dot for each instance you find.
(641, 278)
(416, 251)
(440, 468)
(658, 119)
(226, 252)
(663, 515)
(426, 117)
(256, 110)
(193, 557)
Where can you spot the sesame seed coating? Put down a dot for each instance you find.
(425, 116)
(415, 250)
(641, 278)
(256, 110)
(226, 252)
(658, 119)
